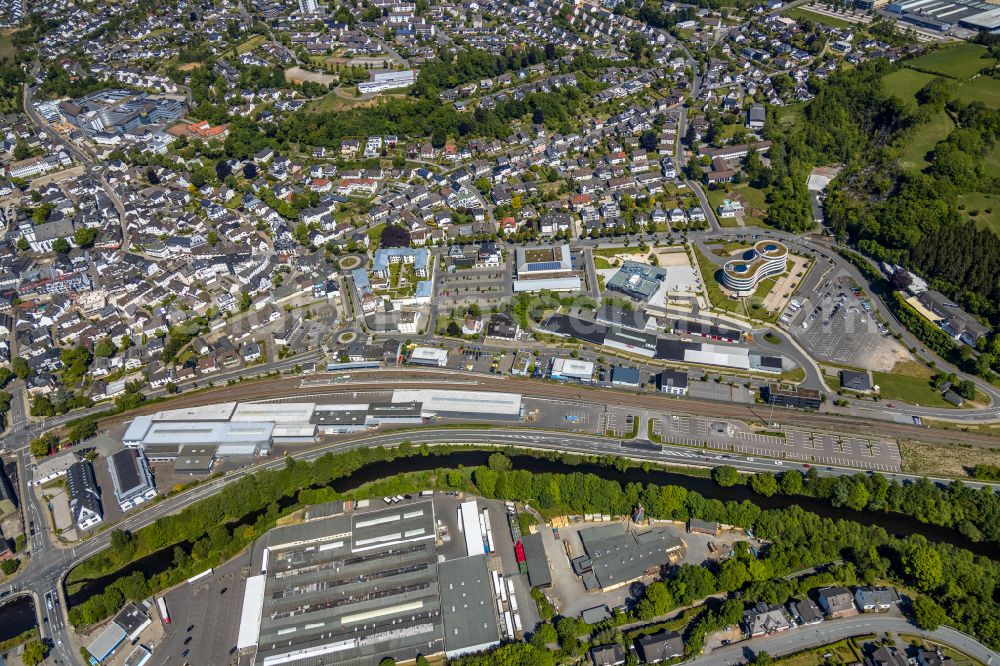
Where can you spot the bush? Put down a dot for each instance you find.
(725, 475)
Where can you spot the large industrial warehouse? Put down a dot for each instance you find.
(194, 438)
(665, 349)
(356, 587)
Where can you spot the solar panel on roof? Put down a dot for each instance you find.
(544, 266)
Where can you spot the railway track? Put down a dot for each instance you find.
(286, 387)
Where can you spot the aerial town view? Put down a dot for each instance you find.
(500, 332)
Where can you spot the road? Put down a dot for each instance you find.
(831, 631)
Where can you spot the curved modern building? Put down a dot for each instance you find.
(768, 257)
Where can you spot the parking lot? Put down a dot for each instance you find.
(805, 446)
(205, 618)
(836, 325)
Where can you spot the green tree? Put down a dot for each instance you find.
(44, 445)
(60, 246)
(498, 462)
(20, 368)
(105, 348)
(22, 244)
(725, 475)
(923, 565)
(10, 566)
(791, 482)
(34, 653)
(764, 483)
(85, 237)
(22, 150)
(927, 614)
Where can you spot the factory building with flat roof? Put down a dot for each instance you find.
(354, 588)
(195, 439)
(471, 405)
(665, 349)
(616, 556)
(131, 478)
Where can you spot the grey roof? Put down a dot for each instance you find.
(129, 473)
(467, 604)
(107, 641)
(625, 375)
(659, 647)
(888, 656)
(637, 280)
(854, 380)
(595, 614)
(83, 491)
(325, 415)
(131, 618)
(631, 319)
(395, 410)
(836, 599)
(607, 655)
(619, 557)
(538, 564)
(876, 596)
(349, 580)
(806, 611)
(672, 379)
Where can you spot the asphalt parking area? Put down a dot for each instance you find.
(838, 326)
(205, 618)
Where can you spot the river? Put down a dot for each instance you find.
(894, 523)
(16, 617)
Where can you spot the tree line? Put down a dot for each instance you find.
(213, 530)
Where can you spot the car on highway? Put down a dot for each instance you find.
(891, 404)
(778, 462)
(749, 459)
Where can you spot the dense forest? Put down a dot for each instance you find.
(905, 216)
(473, 65)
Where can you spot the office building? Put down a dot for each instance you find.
(131, 478)
(767, 258)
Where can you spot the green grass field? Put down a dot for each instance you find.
(904, 84)
(959, 62)
(909, 383)
(251, 44)
(983, 89)
(7, 48)
(924, 138)
(982, 208)
(800, 14)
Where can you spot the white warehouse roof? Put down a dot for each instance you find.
(572, 367)
(285, 412)
(218, 412)
(430, 354)
(253, 604)
(193, 433)
(478, 402)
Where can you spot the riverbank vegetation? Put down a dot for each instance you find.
(974, 513)
(220, 526)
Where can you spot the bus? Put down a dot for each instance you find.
(162, 605)
(203, 574)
